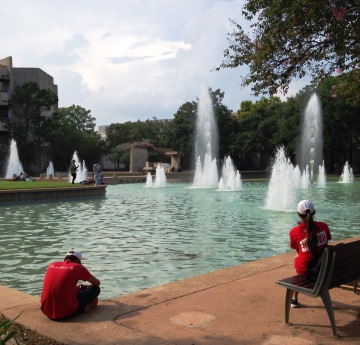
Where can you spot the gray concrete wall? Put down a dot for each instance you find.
(138, 159)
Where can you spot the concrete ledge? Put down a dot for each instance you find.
(238, 305)
(17, 195)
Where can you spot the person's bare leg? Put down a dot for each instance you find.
(295, 295)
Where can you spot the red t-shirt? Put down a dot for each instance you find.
(58, 297)
(298, 241)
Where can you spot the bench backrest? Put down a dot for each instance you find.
(345, 265)
(326, 264)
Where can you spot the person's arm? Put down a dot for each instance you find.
(94, 281)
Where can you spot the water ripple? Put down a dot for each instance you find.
(137, 237)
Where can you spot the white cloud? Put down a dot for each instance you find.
(125, 60)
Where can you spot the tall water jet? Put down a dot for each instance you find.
(347, 175)
(311, 144)
(50, 169)
(281, 192)
(305, 178)
(206, 143)
(81, 173)
(322, 176)
(160, 178)
(14, 165)
(149, 180)
(230, 178)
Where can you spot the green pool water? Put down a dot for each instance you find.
(139, 237)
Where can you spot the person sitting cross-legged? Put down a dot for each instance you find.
(62, 296)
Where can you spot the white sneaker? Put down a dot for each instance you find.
(294, 303)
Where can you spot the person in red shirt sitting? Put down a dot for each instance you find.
(309, 239)
(62, 297)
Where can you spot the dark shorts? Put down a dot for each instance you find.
(86, 295)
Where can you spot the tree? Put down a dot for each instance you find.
(341, 123)
(119, 154)
(78, 117)
(70, 130)
(182, 132)
(228, 125)
(291, 38)
(29, 105)
(152, 131)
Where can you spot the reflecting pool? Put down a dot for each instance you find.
(139, 237)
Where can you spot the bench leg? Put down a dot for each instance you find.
(288, 297)
(325, 296)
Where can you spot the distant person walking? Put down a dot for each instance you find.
(73, 169)
(97, 169)
(62, 297)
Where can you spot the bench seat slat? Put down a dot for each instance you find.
(297, 281)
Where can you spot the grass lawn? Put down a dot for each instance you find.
(36, 184)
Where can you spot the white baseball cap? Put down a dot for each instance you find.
(305, 205)
(74, 252)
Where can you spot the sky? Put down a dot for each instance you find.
(127, 60)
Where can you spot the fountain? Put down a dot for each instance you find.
(281, 192)
(206, 143)
(206, 151)
(230, 179)
(166, 234)
(347, 175)
(322, 176)
(160, 178)
(81, 174)
(50, 170)
(14, 165)
(149, 180)
(311, 137)
(305, 178)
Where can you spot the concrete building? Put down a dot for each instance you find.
(10, 78)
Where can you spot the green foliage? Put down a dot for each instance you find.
(292, 38)
(8, 330)
(228, 126)
(119, 154)
(341, 122)
(30, 105)
(69, 130)
(120, 136)
(182, 131)
(77, 117)
(153, 131)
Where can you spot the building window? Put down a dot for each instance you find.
(5, 86)
(3, 113)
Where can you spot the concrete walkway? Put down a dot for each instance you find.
(239, 305)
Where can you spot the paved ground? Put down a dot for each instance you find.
(239, 305)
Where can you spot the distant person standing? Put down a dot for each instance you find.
(73, 168)
(97, 169)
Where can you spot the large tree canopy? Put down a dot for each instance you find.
(291, 38)
(77, 117)
(73, 129)
(29, 105)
